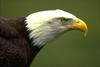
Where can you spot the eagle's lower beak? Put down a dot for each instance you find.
(80, 25)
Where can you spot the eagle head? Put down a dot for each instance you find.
(46, 25)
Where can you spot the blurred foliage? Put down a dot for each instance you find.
(71, 49)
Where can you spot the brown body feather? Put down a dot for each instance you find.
(16, 49)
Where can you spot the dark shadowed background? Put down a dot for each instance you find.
(71, 49)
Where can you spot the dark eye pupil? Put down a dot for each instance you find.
(63, 19)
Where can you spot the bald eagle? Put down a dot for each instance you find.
(22, 38)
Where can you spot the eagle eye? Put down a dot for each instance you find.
(65, 21)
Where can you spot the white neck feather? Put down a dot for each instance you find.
(44, 33)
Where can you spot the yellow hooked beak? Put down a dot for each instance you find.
(80, 25)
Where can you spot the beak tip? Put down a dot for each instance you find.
(85, 28)
(81, 25)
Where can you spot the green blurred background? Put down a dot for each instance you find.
(71, 49)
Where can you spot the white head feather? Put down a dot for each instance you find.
(40, 32)
(36, 19)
